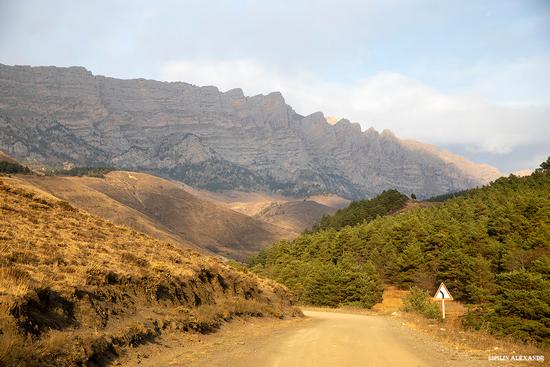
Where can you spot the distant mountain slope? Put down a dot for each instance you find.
(212, 140)
(251, 203)
(295, 215)
(164, 209)
(77, 290)
(484, 172)
(332, 201)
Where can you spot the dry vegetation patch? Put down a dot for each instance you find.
(76, 289)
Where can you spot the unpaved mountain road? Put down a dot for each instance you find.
(338, 339)
(348, 340)
(323, 339)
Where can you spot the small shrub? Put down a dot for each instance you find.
(99, 172)
(473, 319)
(237, 266)
(419, 301)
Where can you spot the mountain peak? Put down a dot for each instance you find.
(236, 93)
(209, 89)
(371, 132)
(388, 134)
(347, 124)
(332, 120)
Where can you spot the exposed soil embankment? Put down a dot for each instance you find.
(76, 289)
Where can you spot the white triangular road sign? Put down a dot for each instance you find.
(443, 293)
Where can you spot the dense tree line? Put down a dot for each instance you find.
(363, 211)
(445, 197)
(85, 171)
(13, 167)
(491, 247)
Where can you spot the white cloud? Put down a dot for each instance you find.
(523, 82)
(385, 100)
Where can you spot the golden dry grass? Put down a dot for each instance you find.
(165, 209)
(76, 191)
(75, 288)
(297, 216)
(252, 203)
(392, 300)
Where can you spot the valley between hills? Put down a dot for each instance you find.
(215, 223)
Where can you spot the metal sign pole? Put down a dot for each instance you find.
(441, 295)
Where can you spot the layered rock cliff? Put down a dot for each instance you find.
(211, 139)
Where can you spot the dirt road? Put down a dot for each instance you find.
(323, 339)
(340, 339)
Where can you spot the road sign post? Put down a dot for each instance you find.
(442, 294)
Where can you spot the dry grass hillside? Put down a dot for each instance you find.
(166, 210)
(330, 200)
(294, 214)
(248, 203)
(75, 191)
(252, 203)
(297, 216)
(76, 289)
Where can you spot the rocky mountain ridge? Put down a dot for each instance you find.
(211, 139)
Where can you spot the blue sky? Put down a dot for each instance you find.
(469, 76)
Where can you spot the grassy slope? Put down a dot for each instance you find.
(164, 209)
(295, 215)
(77, 289)
(74, 191)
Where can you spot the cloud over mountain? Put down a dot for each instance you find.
(386, 100)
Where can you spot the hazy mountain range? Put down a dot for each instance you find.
(211, 139)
